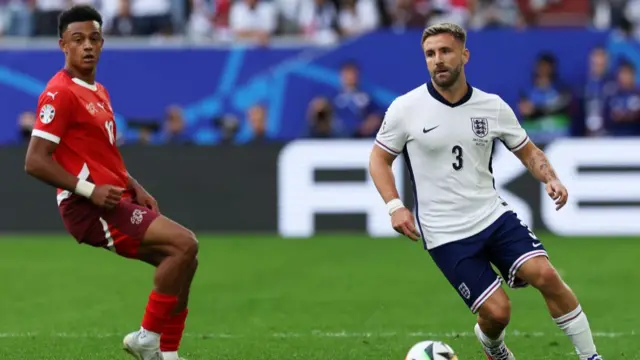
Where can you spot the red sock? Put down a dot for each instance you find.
(158, 311)
(172, 332)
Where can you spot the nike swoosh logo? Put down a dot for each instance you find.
(536, 244)
(424, 131)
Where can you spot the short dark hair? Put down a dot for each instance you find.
(77, 13)
(626, 65)
(350, 65)
(445, 28)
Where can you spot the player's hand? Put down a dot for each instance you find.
(107, 196)
(145, 199)
(403, 222)
(558, 193)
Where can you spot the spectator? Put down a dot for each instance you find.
(632, 14)
(622, 106)
(123, 23)
(321, 121)
(141, 132)
(46, 16)
(319, 21)
(354, 108)
(257, 123)
(545, 105)
(17, 18)
(152, 17)
(404, 14)
(494, 13)
(201, 19)
(174, 129)
(288, 15)
(26, 121)
(595, 89)
(253, 20)
(357, 17)
(227, 126)
(453, 11)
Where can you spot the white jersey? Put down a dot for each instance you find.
(448, 149)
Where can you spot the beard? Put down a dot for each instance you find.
(446, 79)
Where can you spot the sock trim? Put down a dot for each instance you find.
(569, 317)
(487, 341)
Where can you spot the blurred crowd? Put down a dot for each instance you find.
(605, 103)
(322, 21)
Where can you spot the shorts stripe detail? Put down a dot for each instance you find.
(520, 261)
(107, 235)
(386, 148)
(486, 294)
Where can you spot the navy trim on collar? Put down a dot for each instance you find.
(436, 95)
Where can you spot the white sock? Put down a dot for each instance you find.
(487, 341)
(576, 326)
(149, 337)
(170, 355)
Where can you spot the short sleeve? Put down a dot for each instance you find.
(392, 135)
(510, 132)
(54, 114)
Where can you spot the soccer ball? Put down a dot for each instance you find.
(431, 350)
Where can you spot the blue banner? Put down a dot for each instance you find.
(208, 82)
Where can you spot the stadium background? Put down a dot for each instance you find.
(253, 124)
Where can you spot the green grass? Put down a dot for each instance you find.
(326, 298)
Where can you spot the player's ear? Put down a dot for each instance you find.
(465, 55)
(62, 46)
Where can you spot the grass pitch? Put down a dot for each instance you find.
(326, 298)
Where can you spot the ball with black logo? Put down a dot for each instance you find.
(431, 350)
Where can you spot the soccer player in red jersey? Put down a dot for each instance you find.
(73, 147)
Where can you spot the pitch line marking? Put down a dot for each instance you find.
(313, 334)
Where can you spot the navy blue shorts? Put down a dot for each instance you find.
(507, 244)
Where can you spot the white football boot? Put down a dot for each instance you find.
(142, 345)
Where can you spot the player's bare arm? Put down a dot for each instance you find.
(40, 164)
(142, 196)
(539, 166)
(402, 220)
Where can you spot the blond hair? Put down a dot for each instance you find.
(445, 28)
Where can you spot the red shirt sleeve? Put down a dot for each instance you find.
(55, 114)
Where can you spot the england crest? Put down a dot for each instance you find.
(480, 126)
(464, 291)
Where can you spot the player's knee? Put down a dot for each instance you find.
(547, 279)
(194, 264)
(497, 312)
(187, 244)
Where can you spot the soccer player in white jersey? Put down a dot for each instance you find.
(446, 130)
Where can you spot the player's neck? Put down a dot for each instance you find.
(89, 78)
(455, 93)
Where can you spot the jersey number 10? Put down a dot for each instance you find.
(110, 130)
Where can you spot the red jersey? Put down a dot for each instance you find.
(78, 117)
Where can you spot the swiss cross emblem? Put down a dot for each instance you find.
(480, 126)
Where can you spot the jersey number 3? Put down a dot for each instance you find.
(111, 131)
(457, 152)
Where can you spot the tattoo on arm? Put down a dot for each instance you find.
(540, 168)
